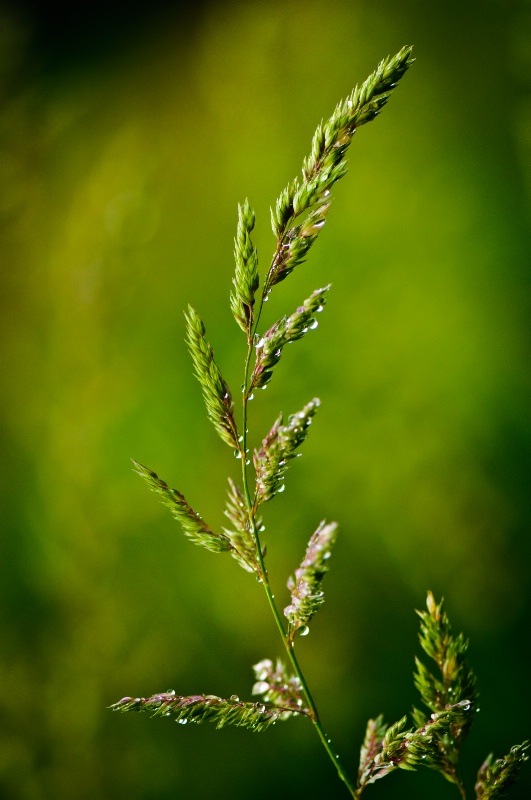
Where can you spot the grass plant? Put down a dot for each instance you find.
(434, 736)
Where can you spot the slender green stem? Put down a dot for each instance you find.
(460, 786)
(287, 641)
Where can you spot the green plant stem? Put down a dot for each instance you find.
(264, 578)
(461, 788)
(290, 650)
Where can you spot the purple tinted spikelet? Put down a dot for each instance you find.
(288, 329)
(278, 449)
(495, 777)
(278, 687)
(386, 749)
(206, 708)
(307, 595)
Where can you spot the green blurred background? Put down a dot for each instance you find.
(129, 133)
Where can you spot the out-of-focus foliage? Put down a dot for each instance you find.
(122, 164)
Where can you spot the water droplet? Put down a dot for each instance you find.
(313, 324)
(251, 397)
(167, 714)
(182, 721)
(234, 698)
(247, 461)
(264, 387)
(240, 438)
(304, 631)
(237, 454)
(305, 330)
(319, 309)
(281, 488)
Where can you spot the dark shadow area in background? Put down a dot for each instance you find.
(85, 33)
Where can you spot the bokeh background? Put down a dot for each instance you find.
(129, 133)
